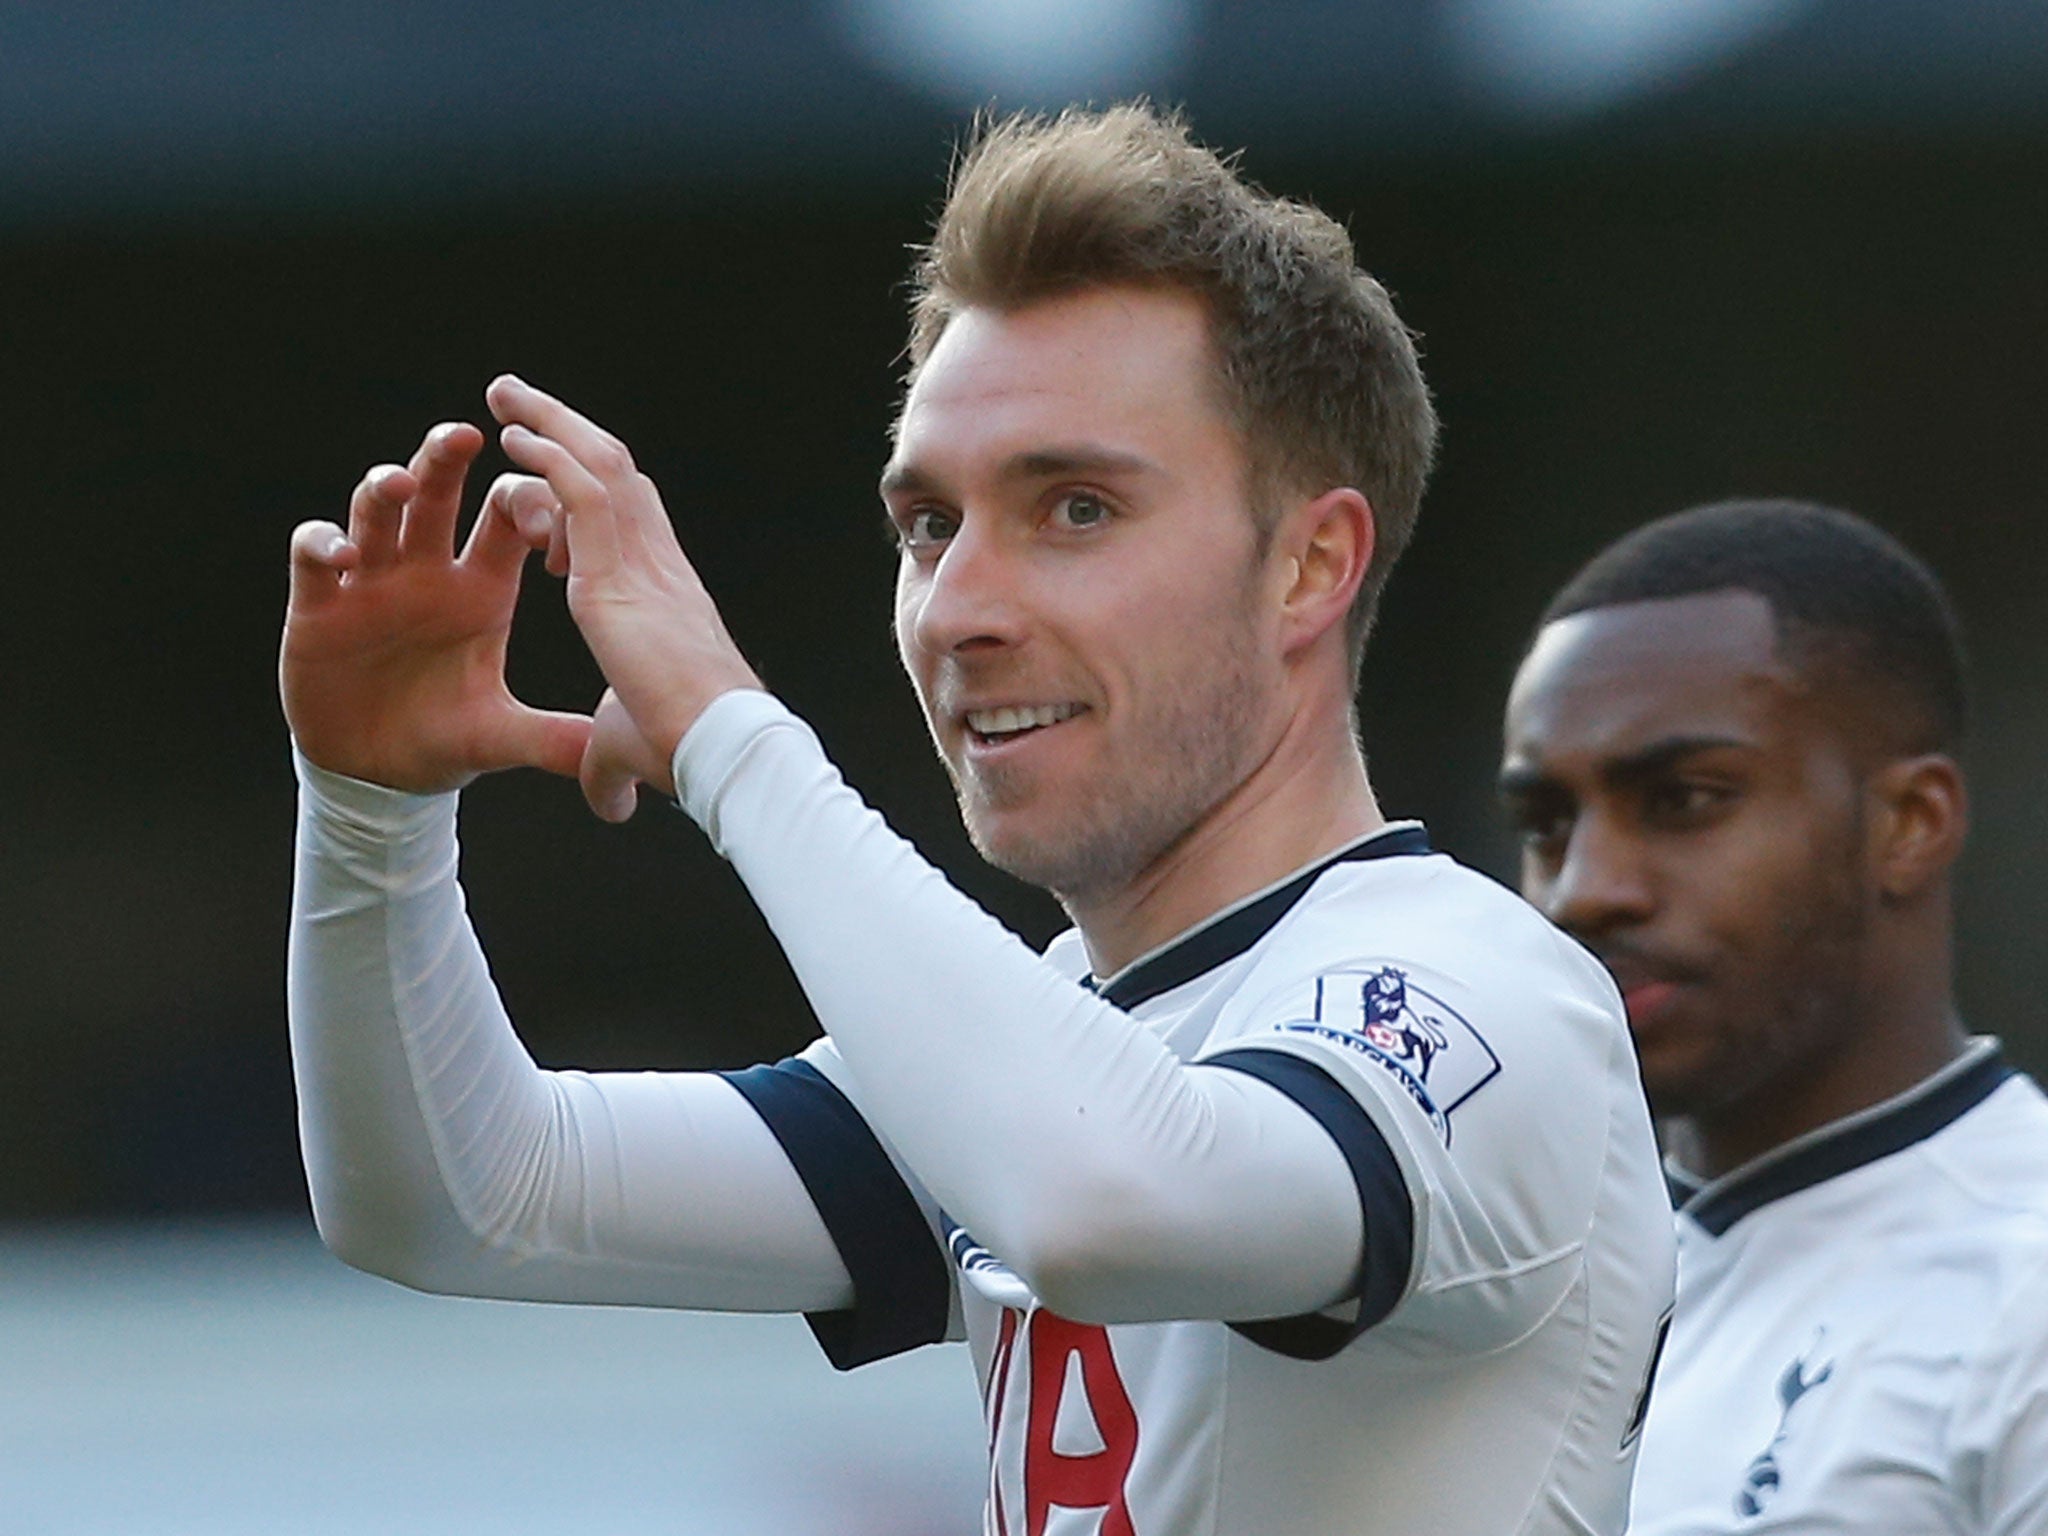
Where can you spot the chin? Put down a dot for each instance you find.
(1694, 1087)
(1038, 861)
(1085, 839)
(1668, 1102)
(1679, 1082)
(1074, 864)
(996, 835)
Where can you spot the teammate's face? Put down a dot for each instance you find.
(1691, 813)
(1076, 599)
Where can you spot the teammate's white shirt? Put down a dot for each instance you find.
(1861, 1338)
(1473, 1125)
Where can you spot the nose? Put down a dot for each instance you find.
(1603, 883)
(966, 600)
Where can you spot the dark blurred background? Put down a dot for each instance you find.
(1660, 251)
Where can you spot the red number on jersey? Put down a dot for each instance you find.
(1094, 1481)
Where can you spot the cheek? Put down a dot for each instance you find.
(918, 665)
(1783, 900)
(904, 626)
(1186, 625)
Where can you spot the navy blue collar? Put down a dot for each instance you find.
(1849, 1144)
(1229, 935)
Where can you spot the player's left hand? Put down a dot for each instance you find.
(653, 629)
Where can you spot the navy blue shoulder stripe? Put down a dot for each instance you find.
(1864, 1141)
(1384, 1203)
(902, 1289)
(1231, 935)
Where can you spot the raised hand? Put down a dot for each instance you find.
(393, 662)
(646, 617)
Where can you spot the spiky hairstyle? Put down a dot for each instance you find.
(1317, 371)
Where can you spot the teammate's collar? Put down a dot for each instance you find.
(1845, 1145)
(1225, 935)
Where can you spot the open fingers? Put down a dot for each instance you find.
(515, 402)
(375, 511)
(528, 412)
(590, 518)
(520, 513)
(558, 548)
(320, 553)
(440, 466)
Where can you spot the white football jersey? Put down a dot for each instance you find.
(1861, 1338)
(1474, 1066)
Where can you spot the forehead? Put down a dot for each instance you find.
(1610, 681)
(1132, 364)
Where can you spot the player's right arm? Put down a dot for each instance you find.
(437, 1152)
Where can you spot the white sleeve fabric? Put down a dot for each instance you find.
(440, 1155)
(1506, 1209)
(1122, 1184)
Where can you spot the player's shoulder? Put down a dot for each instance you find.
(1439, 918)
(1967, 1207)
(1437, 975)
(2014, 1120)
(1994, 1157)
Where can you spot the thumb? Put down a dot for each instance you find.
(617, 761)
(610, 787)
(548, 739)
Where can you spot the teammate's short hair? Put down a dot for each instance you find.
(1843, 593)
(1317, 370)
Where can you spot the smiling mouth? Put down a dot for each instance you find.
(1014, 721)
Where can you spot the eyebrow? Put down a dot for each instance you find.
(1647, 762)
(901, 479)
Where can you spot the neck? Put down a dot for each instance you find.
(1904, 1027)
(1307, 798)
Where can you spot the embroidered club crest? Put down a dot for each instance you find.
(1761, 1478)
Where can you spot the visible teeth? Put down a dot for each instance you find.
(1010, 720)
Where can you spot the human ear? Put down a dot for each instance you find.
(1921, 813)
(1327, 548)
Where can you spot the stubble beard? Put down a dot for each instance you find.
(1198, 745)
(1808, 994)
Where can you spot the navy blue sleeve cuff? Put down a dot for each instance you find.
(902, 1292)
(1384, 1203)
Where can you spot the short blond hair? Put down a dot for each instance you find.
(1317, 370)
